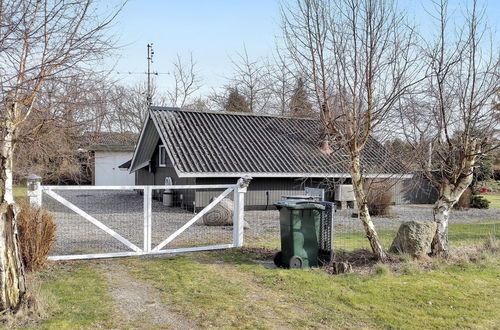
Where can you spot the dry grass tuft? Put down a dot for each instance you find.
(35, 307)
(36, 236)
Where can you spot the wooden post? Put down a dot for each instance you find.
(239, 211)
(34, 190)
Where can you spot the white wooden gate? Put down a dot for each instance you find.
(147, 247)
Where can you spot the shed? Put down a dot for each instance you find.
(109, 150)
(281, 154)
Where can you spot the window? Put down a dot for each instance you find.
(162, 156)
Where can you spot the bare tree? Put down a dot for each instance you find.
(358, 56)
(186, 82)
(451, 125)
(299, 103)
(39, 41)
(281, 82)
(236, 102)
(129, 106)
(251, 79)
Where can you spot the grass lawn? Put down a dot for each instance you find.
(494, 200)
(78, 294)
(236, 288)
(228, 289)
(20, 193)
(459, 234)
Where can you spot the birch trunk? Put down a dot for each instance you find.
(363, 211)
(12, 281)
(448, 197)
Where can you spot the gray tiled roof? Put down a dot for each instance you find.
(207, 143)
(110, 141)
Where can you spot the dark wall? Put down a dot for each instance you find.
(155, 175)
(262, 192)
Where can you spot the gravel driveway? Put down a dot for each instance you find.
(122, 211)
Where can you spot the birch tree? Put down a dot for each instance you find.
(39, 41)
(359, 57)
(452, 124)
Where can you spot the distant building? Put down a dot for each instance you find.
(108, 151)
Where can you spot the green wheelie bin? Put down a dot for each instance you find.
(300, 229)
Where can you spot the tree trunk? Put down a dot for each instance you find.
(6, 165)
(364, 212)
(12, 282)
(442, 210)
(448, 197)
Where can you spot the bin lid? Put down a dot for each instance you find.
(299, 205)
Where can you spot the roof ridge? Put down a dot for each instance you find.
(245, 114)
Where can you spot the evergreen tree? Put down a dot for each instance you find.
(236, 102)
(299, 103)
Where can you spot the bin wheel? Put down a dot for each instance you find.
(296, 262)
(277, 259)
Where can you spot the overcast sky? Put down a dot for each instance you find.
(215, 30)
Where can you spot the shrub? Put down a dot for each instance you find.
(36, 236)
(465, 201)
(379, 199)
(479, 202)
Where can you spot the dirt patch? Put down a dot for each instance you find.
(138, 304)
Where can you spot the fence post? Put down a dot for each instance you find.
(34, 183)
(239, 210)
(147, 218)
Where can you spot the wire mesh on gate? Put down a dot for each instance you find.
(119, 210)
(172, 209)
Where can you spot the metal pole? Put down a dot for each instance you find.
(150, 60)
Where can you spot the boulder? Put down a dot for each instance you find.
(414, 238)
(221, 214)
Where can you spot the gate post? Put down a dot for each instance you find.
(148, 195)
(34, 194)
(239, 210)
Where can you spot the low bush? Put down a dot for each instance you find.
(479, 202)
(465, 201)
(36, 236)
(379, 200)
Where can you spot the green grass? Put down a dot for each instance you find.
(494, 200)
(232, 289)
(81, 298)
(20, 193)
(228, 289)
(458, 234)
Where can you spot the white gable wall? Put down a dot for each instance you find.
(106, 171)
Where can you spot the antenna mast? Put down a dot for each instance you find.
(149, 97)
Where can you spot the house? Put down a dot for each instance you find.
(108, 151)
(281, 154)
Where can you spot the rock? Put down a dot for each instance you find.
(414, 238)
(221, 214)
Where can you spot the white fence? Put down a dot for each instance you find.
(116, 222)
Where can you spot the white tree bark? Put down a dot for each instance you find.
(7, 180)
(364, 214)
(448, 197)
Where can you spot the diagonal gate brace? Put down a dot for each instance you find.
(92, 220)
(193, 220)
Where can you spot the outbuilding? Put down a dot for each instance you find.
(281, 154)
(108, 151)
